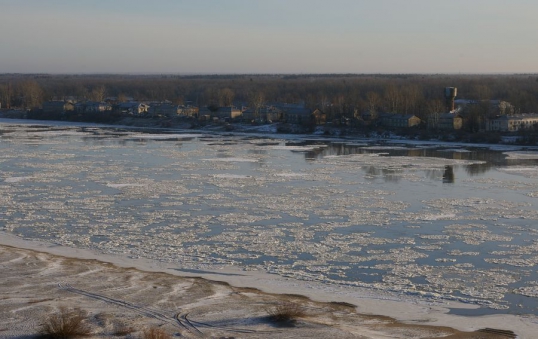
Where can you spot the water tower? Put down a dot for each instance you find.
(450, 95)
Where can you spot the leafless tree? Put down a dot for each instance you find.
(5, 97)
(392, 98)
(374, 101)
(411, 96)
(340, 105)
(434, 109)
(31, 93)
(98, 93)
(121, 97)
(481, 92)
(257, 101)
(226, 97)
(210, 96)
(80, 91)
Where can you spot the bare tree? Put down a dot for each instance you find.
(392, 98)
(340, 105)
(226, 97)
(481, 92)
(210, 96)
(434, 109)
(5, 98)
(374, 101)
(257, 100)
(98, 93)
(411, 97)
(31, 93)
(122, 97)
(81, 92)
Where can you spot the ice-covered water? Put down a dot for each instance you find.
(437, 222)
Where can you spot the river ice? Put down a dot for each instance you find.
(448, 223)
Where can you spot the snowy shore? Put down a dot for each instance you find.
(38, 277)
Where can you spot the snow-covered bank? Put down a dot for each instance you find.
(404, 308)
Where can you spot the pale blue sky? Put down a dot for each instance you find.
(270, 36)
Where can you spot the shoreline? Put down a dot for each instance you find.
(407, 310)
(260, 132)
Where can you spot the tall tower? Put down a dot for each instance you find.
(450, 95)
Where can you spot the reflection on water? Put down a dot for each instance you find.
(485, 159)
(448, 175)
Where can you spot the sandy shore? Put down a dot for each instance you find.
(118, 293)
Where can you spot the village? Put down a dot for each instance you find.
(454, 118)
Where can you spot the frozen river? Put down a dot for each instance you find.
(436, 221)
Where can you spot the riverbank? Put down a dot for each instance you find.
(37, 278)
(269, 131)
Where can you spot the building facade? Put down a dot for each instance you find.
(512, 123)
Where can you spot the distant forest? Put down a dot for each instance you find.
(338, 95)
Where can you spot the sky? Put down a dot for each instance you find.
(268, 36)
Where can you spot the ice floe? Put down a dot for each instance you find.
(124, 185)
(17, 179)
(231, 159)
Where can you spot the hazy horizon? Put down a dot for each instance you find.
(209, 74)
(183, 37)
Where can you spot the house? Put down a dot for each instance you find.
(298, 115)
(494, 107)
(132, 108)
(187, 111)
(97, 107)
(229, 112)
(163, 109)
(295, 113)
(512, 123)
(57, 106)
(366, 116)
(395, 120)
(318, 117)
(445, 121)
(449, 121)
(92, 107)
(266, 114)
(13, 113)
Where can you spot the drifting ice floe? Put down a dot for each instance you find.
(17, 179)
(231, 159)
(163, 136)
(124, 185)
(299, 148)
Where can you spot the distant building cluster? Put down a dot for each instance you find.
(130, 108)
(474, 115)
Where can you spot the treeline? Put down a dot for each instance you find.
(338, 95)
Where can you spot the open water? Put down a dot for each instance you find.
(437, 221)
